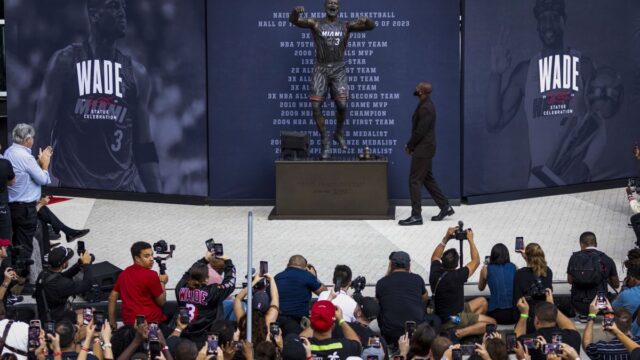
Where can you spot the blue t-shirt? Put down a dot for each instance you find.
(295, 287)
(500, 281)
(628, 299)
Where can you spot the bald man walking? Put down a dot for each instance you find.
(422, 148)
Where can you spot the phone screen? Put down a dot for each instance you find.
(50, 327)
(153, 331)
(264, 267)
(608, 319)
(274, 329)
(80, 247)
(519, 243)
(98, 320)
(212, 344)
(511, 342)
(456, 354)
(410, 328)
(184, 315)
(209, 244)
(34, 336)
(601, 303)
(154, 348)
(139, 320)
(218, 249)
(556, 338)
(374, 341)
(87, 315)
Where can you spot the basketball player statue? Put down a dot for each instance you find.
(93, 104)
(330, 37)
(552, 87)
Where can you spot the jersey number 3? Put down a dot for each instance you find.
(117, 141)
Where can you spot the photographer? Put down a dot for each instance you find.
(203, 301)
(402, 296)
(142, 289)
(55, 285)
(612, 349)
(12, 283)
(547, 322)
(447, 284)
(339, 297)
(265, 309)
(532, 280)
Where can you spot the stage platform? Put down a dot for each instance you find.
(555, 222)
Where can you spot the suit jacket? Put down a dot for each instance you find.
(423, 130)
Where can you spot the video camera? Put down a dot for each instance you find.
(460, 233)
(19, 264)
(162, 248)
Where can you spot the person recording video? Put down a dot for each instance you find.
(203, 302)
(55, 285)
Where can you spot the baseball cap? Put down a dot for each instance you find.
(400, 258)
(59, 255)
(260, 301)
(369, 307)
(5, 242)
(322, 315)
(293, 349)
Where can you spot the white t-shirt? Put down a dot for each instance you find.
(344, 301)
(16, 338)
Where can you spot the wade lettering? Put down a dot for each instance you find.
(559, 72)
(100, 77)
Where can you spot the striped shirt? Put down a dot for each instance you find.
(609, 350)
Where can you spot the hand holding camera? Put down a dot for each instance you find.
(9, 275)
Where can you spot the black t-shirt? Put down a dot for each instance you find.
(569, 337)
(449, 296)
(635, 354)
(522, 282)
(400, 298)
(364, 333)
(6, 174)
(608, 268)
(334, 349)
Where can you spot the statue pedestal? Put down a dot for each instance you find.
(332, 190)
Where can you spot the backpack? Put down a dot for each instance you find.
(586, 269)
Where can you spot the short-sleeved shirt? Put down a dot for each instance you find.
(6, 174)
(569, 337)
(449, 296)
(608, 268)
(138, 288)
(609, 350)
(344, 301)
(334, 349)
(629, 299)
(295, 287)
(400, 297)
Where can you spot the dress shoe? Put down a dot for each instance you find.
(411, 220)
(448, 211)
(76, 234)
(338, 136)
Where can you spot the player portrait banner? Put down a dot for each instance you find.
(117, 87)
(550, 93)
(260, 67)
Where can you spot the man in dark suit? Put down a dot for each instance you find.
(422, 148)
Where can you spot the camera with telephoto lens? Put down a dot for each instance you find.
(460, 233)
(536, 291)
(162, 248)
(358, 284)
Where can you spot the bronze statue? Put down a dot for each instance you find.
(330, 37)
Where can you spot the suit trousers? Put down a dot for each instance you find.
(419, 175)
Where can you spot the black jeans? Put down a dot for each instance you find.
(5, 222)
(45, 214)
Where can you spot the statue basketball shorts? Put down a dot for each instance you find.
(331, 75)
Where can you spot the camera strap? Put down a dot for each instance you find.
(3, 340)
(435, 289)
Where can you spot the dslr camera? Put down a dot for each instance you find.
(162, 248)
(20, 265)
(358, 284)
(536, 291)
(460, 233)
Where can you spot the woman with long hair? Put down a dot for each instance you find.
(266, 308)
(531, 281)
(498, 273)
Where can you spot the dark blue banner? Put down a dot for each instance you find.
(116, 87)
(550, 93)
(259, 71)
